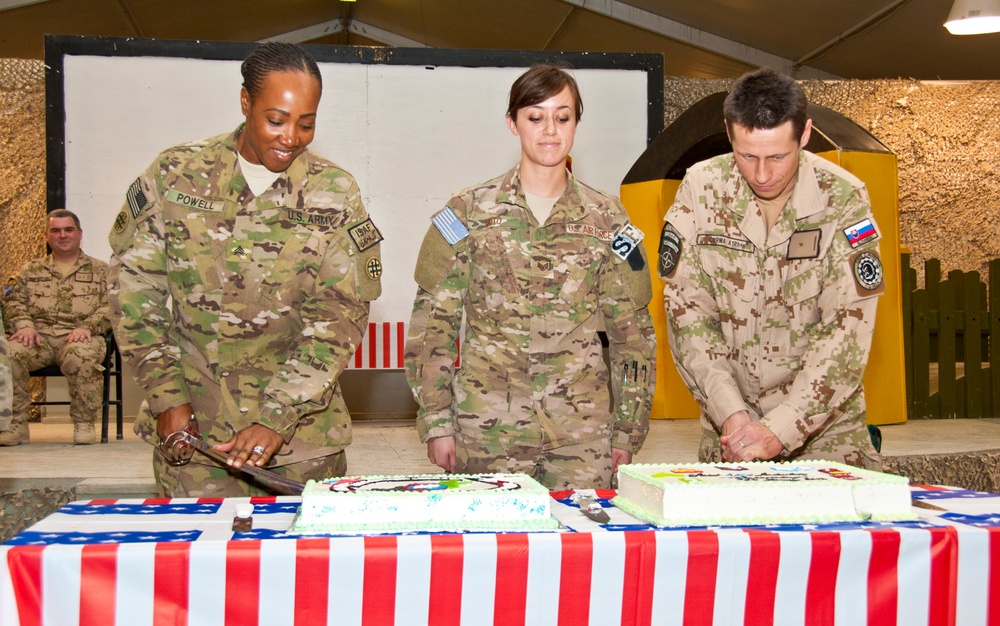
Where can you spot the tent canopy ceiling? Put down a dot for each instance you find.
(705, 39)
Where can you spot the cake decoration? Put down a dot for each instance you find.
(371, 504)
(716, 494)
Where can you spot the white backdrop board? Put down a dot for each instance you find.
(412, 125)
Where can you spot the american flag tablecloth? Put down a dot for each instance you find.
(138, 562)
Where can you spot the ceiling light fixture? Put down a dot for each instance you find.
(974, 17)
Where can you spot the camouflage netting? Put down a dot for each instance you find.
(22, 172)
(21, 508)
(22, 163)
(945, 136)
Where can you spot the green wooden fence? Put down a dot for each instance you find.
(953, 324)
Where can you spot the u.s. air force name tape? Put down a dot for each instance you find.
(450, 227)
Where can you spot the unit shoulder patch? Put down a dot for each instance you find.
(868, 273)
(670, 251)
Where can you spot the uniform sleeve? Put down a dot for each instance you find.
(16, 303)
(138, 297)
(834, 363)
(98, 322)
(625, 295)
(334, 320)
(442, 275)
(699, 348)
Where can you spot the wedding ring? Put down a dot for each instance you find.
(258, 450)
(742, 445)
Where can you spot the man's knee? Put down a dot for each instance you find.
(82, 359)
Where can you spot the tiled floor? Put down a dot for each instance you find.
(122, 468)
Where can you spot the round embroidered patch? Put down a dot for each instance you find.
(868, 270)
(373, 268)
(121, 222)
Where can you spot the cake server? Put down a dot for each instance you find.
(590, 507)
(270, 480)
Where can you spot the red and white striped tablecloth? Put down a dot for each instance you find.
(135, 562)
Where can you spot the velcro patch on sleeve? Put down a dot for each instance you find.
(638, 280)
(369, 275)
(435, 258)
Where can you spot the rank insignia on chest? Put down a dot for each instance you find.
(626, 240)
(804, 244)
(240, 252)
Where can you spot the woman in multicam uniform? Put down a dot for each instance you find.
(537, 263)
(270, 261)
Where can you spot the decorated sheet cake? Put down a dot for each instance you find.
(719, 494)
(493, 502)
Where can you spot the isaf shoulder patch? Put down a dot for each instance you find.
(365, 234)
(670, 251)
(869, 277)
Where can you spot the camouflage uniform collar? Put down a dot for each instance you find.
(806, 198)
(297, 171)
(570, 204)
(81, 262)
(804, 201)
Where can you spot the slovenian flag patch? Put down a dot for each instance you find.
(862, 232)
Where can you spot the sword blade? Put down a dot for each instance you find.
(274, 482)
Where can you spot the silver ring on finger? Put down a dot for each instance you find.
(258, 450)
(742, 445)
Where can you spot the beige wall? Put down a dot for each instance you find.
(946, 137)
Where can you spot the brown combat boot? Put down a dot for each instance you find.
(83, 433)
(16, 434)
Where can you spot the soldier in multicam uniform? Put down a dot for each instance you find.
(772, 274)
(57, 307)
(271, 261)
(535, 287)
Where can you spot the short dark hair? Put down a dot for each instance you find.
(764, 99)
(540, 83)
(276, 56)
(63, 213)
